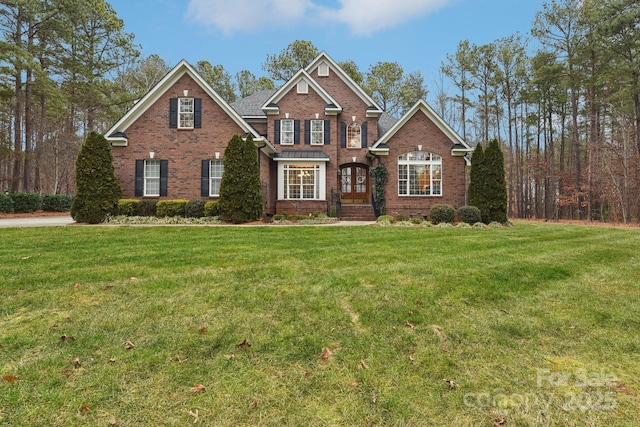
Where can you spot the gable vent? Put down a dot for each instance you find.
(323, 70)
(303, 87)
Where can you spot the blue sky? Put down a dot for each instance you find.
(239, 34)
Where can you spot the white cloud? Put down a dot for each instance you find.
(362, 17)
(242, 15)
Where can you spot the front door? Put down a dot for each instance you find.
(355, 183)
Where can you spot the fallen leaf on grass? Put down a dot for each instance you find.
(254, 404)
(196, 388)
(363, 365)
(55, 326)
(77, 286)
(202, 330)
(499, 421)
(128, 344)
(106, 288)
(622, 388)
(326, 354)
(85, 408)
(67, 372)
(409, 324)
(10, 378)
(112, 360)
(411, 359)
(452, 383)
(229, 356)
(195, 416)
(244, 343)
(438, 331)
(25, 258)
(179, 358)
(112, 421)
(65, 338)
(76, 363)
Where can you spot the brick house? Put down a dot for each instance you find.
(317, 136)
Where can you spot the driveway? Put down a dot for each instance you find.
(36, 221)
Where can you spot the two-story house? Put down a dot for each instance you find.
(317, 137)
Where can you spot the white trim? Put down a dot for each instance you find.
(319, 167)
(301, 75)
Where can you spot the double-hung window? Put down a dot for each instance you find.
(216, 169)
(286, 132)
(185, 113)
(354, 135)
(151, 177)
(419, 174)
(317, 132)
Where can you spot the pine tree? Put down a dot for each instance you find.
(495, 186)
(241, 188)
(97, 188)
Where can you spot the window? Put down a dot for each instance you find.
(354, 136)
(151, 178)
(419, 174)
(185, 113)
(302, 181)
(216, 170)
(317, 132)
(286, 132)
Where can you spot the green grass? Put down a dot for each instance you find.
(537, 324)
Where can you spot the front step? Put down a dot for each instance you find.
(357, 212)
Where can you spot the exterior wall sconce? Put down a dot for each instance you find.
(353, 118)
(354, 158)
(317, 115)
(286, 115)
(419, 147)
(185, 92)
(152, 154)
(217, 155)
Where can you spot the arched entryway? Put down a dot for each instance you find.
(354, 178)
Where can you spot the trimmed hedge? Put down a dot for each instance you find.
(56, 202)
(171, 208)
(128, 207)
(194, 209)
(147, 207)
(469, 214)
(442, 214)
(26, 202)
(6, 203)
(211, 208)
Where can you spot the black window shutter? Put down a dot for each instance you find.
(296, 131)
(173, 113)
(197, 113)
(276, 132)
(164, 166)
(204, 180)
(327, 132)
(364, 137)
(343, 134)
(307, 132)
(139, 188)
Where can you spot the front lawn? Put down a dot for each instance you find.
(535, 325)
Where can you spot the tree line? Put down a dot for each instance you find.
(568, 115)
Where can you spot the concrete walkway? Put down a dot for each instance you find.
(53, 221)
(36, 221)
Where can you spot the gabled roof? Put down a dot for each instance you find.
(374, 109)
(251, 106)
(117, 133)
(458, 146)
(270, 106)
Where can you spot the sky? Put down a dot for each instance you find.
(239, 34)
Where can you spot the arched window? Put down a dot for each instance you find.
(419, 174)
(354, 135)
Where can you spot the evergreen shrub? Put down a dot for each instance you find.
(469, 214)
(194, 208)
(57, 202)
(147, 207)
(167, 208)
(442, 214)
(98, 188)
(26, 202)
(211, 208)
(6, 203)
(128, 207)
